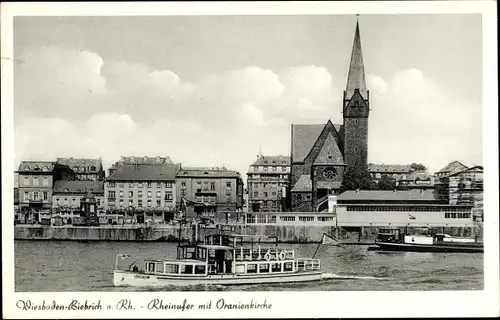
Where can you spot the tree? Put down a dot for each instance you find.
(386, 183)
(357, 177)
(418, 167)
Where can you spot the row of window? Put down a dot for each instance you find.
(36, 195)
(262, 218)
(73, 202)
(407, 208)
(264, 185)
(457, 215)
(274, 177)
(112, 184)
(205, 185)
(265, 194)
(36, 180)
(168, 194)
(266, 168)
(140, 203)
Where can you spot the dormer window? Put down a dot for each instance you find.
(66, 190)
(205, 172)
(27, 167)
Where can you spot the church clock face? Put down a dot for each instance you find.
(330, 173)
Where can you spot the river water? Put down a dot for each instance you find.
(55, 266)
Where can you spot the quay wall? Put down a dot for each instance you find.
(285, 233)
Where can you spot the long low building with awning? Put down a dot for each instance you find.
(414, 208)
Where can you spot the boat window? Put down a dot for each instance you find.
(151, 267)
(211, 253)
(202, 254)
(171, 268)
(276, 267)
(189, 253)
(199, 269)
(159, 267)
(186, 269)
(252, 268)
(288, 266)
(264, 267)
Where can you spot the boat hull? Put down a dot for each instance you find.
(137, 279)
(463, 248)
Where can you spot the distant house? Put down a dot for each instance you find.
(268, 183)
(83, 169)
(450, 168)
(394, 171)
(143, 191)
(209, 190)
(67, 195)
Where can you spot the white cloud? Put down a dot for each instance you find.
(90, 108)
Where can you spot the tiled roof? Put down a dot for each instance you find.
(144, 172)
(79, 187)
(304, 184)
(90, 165)
(389, 168)
(36, 166)
(453, 166)
(194, 172)
(382, 195)
(475, 168)
(303, 138)
(272, 161)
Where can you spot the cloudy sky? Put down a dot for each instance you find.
(214, 90)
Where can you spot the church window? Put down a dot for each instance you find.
(330, 173)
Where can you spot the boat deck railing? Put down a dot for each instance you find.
(265, 253)
(306, 264)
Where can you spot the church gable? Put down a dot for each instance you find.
(330, 153)
(319, 145)
(356, 106)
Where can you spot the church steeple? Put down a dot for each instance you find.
(356, 77)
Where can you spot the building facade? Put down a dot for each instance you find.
(268, 183)
(412, 208)
(321, 153)
(402, 176)
(209, 190)
(67, 196)
(141, 192)
(36, 179)
(83, 169)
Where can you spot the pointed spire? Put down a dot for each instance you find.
(356, 76)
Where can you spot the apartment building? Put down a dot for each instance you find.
(268, 181)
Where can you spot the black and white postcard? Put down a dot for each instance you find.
(242, 159)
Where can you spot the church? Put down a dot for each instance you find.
(321, 153)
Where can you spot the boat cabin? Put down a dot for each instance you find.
(221, 254)
(389, 235)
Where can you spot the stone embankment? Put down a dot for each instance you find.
(284, 233)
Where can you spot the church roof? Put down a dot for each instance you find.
(356, 76)
(303, 138)
(304, 184)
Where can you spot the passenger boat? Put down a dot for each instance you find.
(395, 240)
(221, 260)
